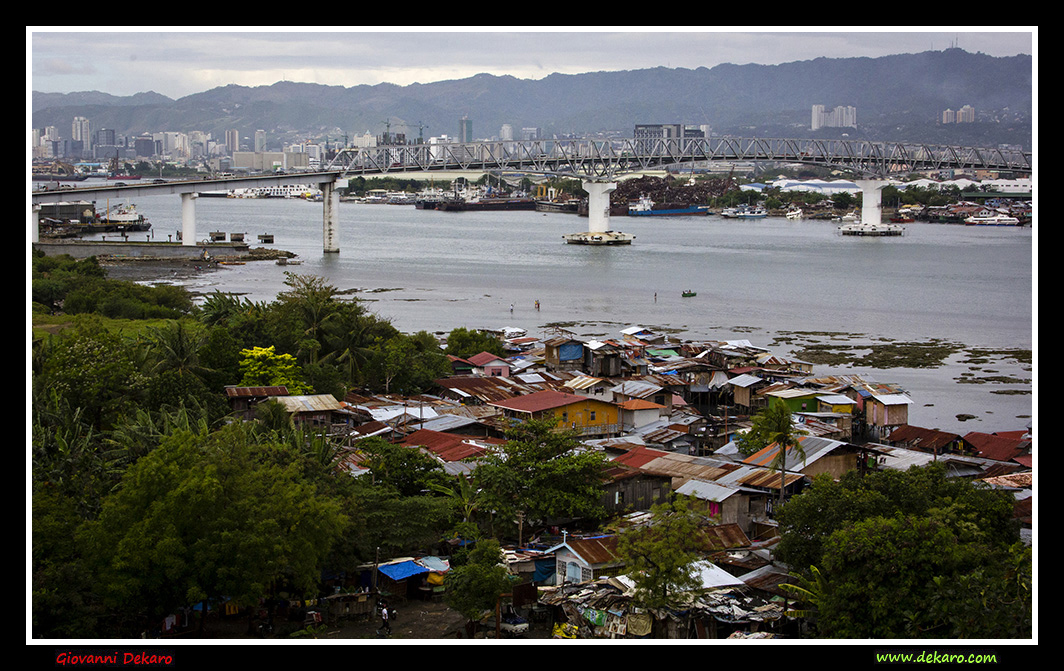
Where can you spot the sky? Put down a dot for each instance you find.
(178, 61)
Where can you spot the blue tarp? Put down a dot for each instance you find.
(402, 570)
(544, 570)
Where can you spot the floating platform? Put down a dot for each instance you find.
(872, 230)
(603, 238)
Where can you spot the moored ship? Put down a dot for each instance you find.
(645, 207)
(991, 220)
(119, 218)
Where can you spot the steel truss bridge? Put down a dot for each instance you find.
(596, 162)
(606, 159)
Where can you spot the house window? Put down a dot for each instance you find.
(618, 497)
(592, 415)
(565, 417)
(585, 574)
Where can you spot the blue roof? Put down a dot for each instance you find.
(401, 570)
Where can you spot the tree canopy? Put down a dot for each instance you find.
(909, 554)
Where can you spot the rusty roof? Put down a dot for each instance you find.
(597, 550)
(256, 392)
(543, 400)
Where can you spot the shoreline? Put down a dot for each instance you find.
(159, 269)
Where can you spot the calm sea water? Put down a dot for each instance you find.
(756, 280)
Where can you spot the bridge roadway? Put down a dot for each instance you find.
(596, 162)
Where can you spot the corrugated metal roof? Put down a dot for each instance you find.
(240, 392)
(541, 400)
(892, 399)
(313, 403)
(595, 551)
(744, 380)
(707, 491)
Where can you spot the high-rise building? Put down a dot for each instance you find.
(840, 117)
(465, 129)
(81, 130)
(506, 132)
(232, 141)
(260, 140)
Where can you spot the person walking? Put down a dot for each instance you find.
(386, 625)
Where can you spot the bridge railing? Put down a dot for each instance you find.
(605, 158)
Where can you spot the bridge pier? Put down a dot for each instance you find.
(872, 200)
(598, 218)
(330, 217)
(188, 218)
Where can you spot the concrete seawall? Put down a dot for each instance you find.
(82, 249)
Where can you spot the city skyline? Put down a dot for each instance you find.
(176, 63)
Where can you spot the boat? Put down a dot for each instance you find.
(644, 207)
(794, 213)
(120, 218)
(572, 205)
(851, 217)
(688, 293)
(744, 212)
(490, 204)
(991, 220)
(871, 230)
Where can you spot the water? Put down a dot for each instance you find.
(756, 279)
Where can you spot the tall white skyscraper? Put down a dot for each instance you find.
(840, 117)
(81, 130)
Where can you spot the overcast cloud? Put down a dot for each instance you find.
(177, 62)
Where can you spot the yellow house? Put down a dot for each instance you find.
(587, 416)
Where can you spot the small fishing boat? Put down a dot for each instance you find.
(688, 293)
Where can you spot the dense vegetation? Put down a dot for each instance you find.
(913, 554)
(147, 496)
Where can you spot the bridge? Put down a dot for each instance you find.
(598, 163)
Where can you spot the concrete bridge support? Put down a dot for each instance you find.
(330, 217)
(872, 200)
(598, 218)
(188, 218)
(598, 205)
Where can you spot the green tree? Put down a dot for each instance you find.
(476, 586)
(773, 425)
(660, 556)
(205, 516)
(909, 554)
(463, 343)
(92, 369)
(263, 367)
(542, 473)
(406, 470)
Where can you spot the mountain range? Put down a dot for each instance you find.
(898, 97)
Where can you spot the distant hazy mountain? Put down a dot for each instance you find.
(897, 98)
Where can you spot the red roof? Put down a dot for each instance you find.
(639, 456)
(998, 448)
(484, 358)
(928, 440)
(446, 446)
(540, 401)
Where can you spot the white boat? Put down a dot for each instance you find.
(793, 214)
(992, 220)
(289, 191)
(851, 217)
(744, 212)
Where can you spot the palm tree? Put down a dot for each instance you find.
(777, 421)
(176, 346)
